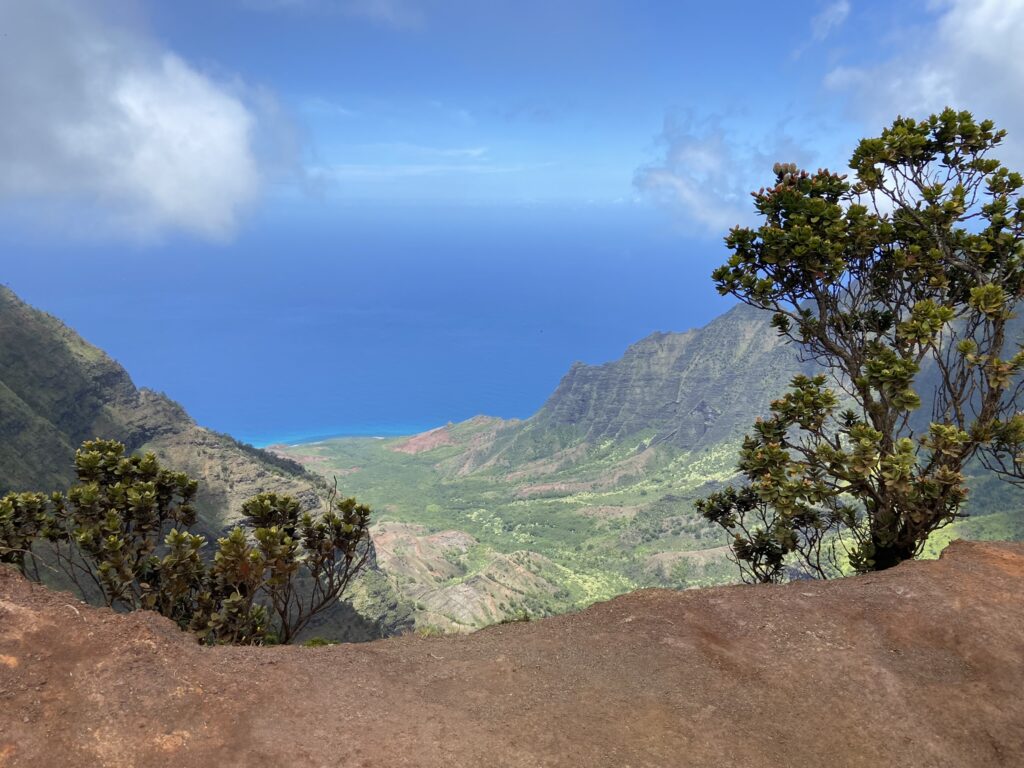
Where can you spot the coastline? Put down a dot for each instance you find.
(308, 437)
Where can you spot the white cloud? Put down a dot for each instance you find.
(966, 58)
(97, 117)
(706, 174)
(845, 77)
(830, 18)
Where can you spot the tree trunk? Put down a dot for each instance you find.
(889, 555)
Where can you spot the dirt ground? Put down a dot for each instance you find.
(919, 666)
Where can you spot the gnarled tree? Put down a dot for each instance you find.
(898, 281)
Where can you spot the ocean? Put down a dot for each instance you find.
(361, 320)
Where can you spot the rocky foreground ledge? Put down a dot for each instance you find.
(919, 666)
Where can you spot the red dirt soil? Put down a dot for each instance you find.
(919, 666)
(425, 441)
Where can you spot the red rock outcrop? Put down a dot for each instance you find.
(919, 666)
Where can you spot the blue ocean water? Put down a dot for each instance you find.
(321, 321)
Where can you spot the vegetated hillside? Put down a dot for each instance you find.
(916, 666)
(57, 390)
(592, 496)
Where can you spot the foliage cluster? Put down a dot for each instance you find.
(902, 279)
(121, 537)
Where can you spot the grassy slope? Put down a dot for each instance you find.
(593, 556)
(602, 538)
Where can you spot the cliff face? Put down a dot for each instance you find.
(57, 390)
(691, 389)
(917, 666)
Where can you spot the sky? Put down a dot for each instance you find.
(313, 217)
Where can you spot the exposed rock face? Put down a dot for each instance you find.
(680, 391)
(691, 389)
(918, 666)
(425, 441)
(57, 390)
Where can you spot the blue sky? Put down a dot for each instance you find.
(315, 216)
(515, 103)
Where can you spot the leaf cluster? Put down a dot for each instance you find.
(901, 278)
(121, 537)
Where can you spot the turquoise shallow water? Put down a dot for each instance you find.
(295, 438)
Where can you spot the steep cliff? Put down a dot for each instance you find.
(684, 389)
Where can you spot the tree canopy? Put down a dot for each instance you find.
(898, 281)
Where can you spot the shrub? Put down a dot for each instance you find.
(121, 538)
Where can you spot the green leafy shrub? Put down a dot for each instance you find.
(903, 278)
(121, 537)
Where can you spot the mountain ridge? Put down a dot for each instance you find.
(661, 382)
(57, 390)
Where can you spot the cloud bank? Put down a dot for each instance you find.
(963, 57)
(706, 173)
(102, 123)
(966, 58)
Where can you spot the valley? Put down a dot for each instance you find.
(455, 384)
(493, 520)
(479, 522)
(471, 548)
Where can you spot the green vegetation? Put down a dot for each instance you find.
(562, 515)
(121, 537)
(591, 497)
(888, 304)
(595, 539)
(317, 642)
